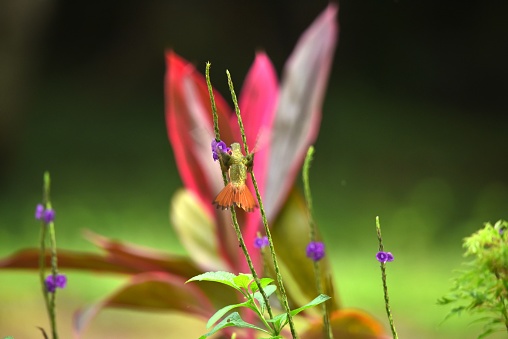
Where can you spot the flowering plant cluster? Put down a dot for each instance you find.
(482, 286)
(287, 115)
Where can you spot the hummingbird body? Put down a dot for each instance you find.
(236, 192)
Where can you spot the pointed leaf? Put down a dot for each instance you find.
(233, 319)
(213, 319)
(123, 258)
(264, 282)
(150, 291)
(290, 233)
(189, 125)
(221, 277)
(281, 320)
(243, 280)
(29, 259)
(258, 104)
(298, 115)
(196, 231)
(259, 297)
(258, 100)
(144, 258)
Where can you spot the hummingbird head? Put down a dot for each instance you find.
(235, 147)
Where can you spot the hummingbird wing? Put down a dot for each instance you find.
(249, 161)
(225, 161)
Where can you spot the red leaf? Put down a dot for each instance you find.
(29, 259)
(298, 115)
(122, 258)
(150, 291)
(189, 125)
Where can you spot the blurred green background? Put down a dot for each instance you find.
(414, 130)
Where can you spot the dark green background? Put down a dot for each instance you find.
(414, 125)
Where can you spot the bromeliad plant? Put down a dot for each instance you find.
(287, 116)
(482, 287)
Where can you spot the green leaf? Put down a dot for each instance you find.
(225, 310)
(196, 230)
(259, 297)
(264, 282)
(221, 277)
(233, 319)
(281, 320)
(290, 231)
(243, 280)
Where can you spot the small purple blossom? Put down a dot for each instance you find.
(49, 215)
(53, 284)
(39, 212)
(383, 257)
(261, 242)
(217, 148)
(316, 250)
(46, 215)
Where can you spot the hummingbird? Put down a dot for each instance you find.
(236, 191)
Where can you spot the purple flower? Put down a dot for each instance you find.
(315, 250)
(39, 212)
(49, 215)
(46, 215)
(53, 284)
(261, 242)
(383, 257)
(217, 148)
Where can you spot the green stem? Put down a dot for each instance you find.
(212, 102)
(49, 298)
(42, 268)
(312, 235)
(260, 313)
(385, 285)
(502, 300)
(249, 261)
(505, 313)
(54, 272)
(237, 111)
(233, 212)
(263, 214)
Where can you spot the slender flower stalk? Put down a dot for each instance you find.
(262, 210)
(42, 268)
(46, 214)
(383, 257)
(312, 236)
(232, 210)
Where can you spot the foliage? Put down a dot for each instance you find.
(285, 116)
(482, 286)
(244, 283)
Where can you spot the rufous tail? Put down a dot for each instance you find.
(235, 195)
